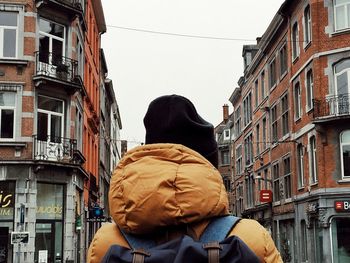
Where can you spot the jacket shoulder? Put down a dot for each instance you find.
(105, 237)
(257, 239)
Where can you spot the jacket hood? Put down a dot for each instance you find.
(159, 185)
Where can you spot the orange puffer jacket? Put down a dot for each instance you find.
(159, 185)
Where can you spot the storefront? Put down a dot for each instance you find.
(49, 223)
(7, 204)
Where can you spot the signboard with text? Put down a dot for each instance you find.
(266, 196)
(342, 206)
(19, 237)
(7, 200)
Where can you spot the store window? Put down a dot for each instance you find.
(340, 233)
(49, 224)
(7, 205)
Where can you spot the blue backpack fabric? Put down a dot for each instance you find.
(213, 246)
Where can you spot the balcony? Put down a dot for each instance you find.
(55, 149)
(332, 108)
(58, 71)
(72, 8)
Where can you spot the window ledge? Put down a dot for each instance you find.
(344, 181)
(340, 32)
(12, 144)
(307, 45)
(301, 188)
(283, 75)
(288, 200)
(14, 61)
(295, 60)
(309, 110)
(314, 184)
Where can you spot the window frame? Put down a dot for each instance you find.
(262, 85)
(346, 18)
(287, 175)
(297, 101)
(307, 26)
(274, 124)
(248, 150)
(313, 159)
(276, 182)
(13, 108)
(239, 160)
(341, 153)
(238, 122)
(247, 110)
(309, 79)
(272, 73)
(295, 41)
(257, 138)
(264, 133)
(285, 114)
(300, 165)
(2, 37)
(283, 60)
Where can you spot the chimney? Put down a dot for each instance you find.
(225, 112)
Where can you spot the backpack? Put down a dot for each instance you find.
(212, 247)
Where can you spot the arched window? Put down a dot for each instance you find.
(345, 153)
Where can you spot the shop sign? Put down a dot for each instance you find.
(266, 196)
(19, 237)
(7, 201)
(49, 201)
(342, 206)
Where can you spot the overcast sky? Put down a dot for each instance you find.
(146, 65)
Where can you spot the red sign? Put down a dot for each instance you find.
(342, 206)
(266, 196)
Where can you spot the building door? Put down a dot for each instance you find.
(4, 244)
(48, 242)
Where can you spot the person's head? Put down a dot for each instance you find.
(174, 119)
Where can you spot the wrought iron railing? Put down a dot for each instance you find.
(57, 149)
(332, 106)
(58, 67)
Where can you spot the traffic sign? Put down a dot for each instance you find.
(266, 196)
(19, 237)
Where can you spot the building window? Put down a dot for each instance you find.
(341, 104)
(274, 126)
(345, 153)
(227, 134)
(264, 133)
(7, 115)
(313, 160)
(295, 41)
(262, 85)
(283, 60)
(8, 34)
(276, 183)
(307, 25)
(341, 14)
(309, 88)
(256, 93)
(225, 157)
(79, 127)
(285, 115)
(304, 242)
(297, 100)
(248, 150)
(272, 71)
(247, 109)
(239, 160)
(50, 119)
(257, 137)
(287, 178)
(250, 188)
(227, 183)
(51, 42)
(239, 199)
(340, 233)
(300, 163)
(238, 122)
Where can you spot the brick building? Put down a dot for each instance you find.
(292, 130)
(49, 103)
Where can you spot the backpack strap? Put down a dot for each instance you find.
(219, 228)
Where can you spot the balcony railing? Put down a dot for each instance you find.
(76, 4)
(57, 67)
(56, 149)
(332, 106)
